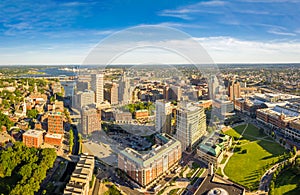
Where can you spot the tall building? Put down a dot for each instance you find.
(190, 124)
(97, 87)
(175, 93)
(84, 98)
(82, 85)
(213, 84)
(90, 119)
(111, 93)
(234, 91)
(143, 167)
(124, 91)
(163, 116)
(55, 123)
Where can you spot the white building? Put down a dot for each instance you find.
(124, 90)
(190, 124)
(97, 87)
(84, 98)
(163, 116)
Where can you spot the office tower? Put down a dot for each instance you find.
(190, 124)
(212, 86)
(124, 90)
(82, 85)
(90, 119)
(111, 93)
(234, 91)
(55, 123)
(175, 93)
(83, 98)
(166, 92)
(163, 116)
(97, 87)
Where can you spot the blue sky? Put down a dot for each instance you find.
(63, 32)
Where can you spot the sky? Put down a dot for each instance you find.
(230, 31)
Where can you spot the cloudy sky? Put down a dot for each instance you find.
(232, 31)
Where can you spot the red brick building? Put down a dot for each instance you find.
(33, 138)
(55, 123)
(139, 114)
(53, 139)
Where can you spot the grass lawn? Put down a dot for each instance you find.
(287, 183)
(246, 169)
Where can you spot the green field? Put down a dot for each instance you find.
(247, 168)
(287, 183)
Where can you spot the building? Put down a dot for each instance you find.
(282, 118)
(111, 93)
(53, 139)
(124, 90)
(190, 124)
(82, 85)
(141, 114)
(83, 98)
(81, 176)
(122, 117)
(55, 123)
(97, 87)
(234, 91)
(175, 93)
(33, 138)
(90, 119)
(223, 107)
(213, 148)
(163, 116)
(145, 167)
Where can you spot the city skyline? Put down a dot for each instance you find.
(63, 32)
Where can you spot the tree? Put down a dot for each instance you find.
(32, 113)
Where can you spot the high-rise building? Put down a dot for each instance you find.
(213, 83)
(163, 116)
(55, 123)
(97, 87)
(83, 98)
(190, 124)
(124, 91)
(175, 93)
(82, 85)
(90, 119)
(234, 91)
(111, 93)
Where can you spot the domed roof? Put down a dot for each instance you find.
(217, 191)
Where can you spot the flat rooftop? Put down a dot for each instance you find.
(33, 133)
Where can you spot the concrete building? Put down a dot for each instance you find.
(111, 93)
(234, 91)
(81, 176)
(190, 124)
(145, 167)
(213, 148)
(124, 90)
(97, 87)
(83, 98)
(82, 85)
(163, 116)
(33, 138)
(90, 119)
(175, 93)
(55, 123)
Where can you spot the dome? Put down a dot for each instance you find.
(217, 191)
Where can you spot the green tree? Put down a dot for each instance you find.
(32, 113)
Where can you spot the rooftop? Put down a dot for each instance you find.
(33, 133)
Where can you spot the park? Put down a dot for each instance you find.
(254, 153)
